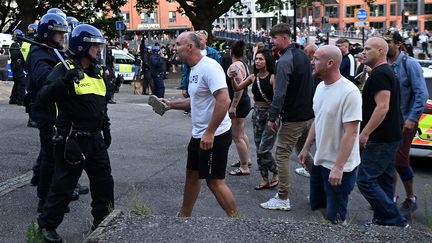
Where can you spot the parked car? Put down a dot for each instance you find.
(124, 64)
(421, 145)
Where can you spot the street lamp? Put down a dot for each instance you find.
(249, 14)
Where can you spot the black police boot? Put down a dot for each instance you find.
(82, 190)
(12, 102)
(35, 179)
(51, 236)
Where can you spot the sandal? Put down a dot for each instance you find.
(238, 172)
(237, 164)
(275, 181)
(262, 185)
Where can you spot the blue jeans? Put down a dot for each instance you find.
(375, 181)
(333, 198)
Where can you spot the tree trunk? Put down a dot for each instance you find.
(27, 13)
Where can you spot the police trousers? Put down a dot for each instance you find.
(66, 176)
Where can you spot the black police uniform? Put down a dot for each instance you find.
(79, 144)
(40, 63)
(146, 72)
(157, 69)
(18, 74)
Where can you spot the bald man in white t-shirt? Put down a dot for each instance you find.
(337, 106)
(211, 126)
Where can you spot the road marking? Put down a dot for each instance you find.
(15, 183)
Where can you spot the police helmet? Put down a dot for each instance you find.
(17, 33)
(31, 30)
(82, 37)
(148, 48)
(72, 22)
(49, 24)
(57, 11)
(155, 49)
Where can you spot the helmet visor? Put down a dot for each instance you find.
(96, 40)
(59, 28)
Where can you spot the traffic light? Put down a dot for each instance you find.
(405, 15)
(324, 19)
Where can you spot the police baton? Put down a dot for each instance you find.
(56, 51)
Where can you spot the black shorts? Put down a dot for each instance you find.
(243, 108)
(211, 164)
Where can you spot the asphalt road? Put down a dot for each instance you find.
(148, 157)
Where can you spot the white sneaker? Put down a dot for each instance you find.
(275, 203)
(302, 171)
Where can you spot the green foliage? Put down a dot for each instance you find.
(27, 11)
(34, 234)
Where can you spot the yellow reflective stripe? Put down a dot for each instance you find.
(125, 68)
(89, 85)
(25, 49)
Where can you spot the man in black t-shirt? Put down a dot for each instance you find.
(380, 135)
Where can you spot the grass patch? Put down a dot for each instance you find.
(139, 207)
(34, 234)
(427, 197)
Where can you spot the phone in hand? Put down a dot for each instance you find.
(235, 69)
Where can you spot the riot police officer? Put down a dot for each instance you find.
(31, 32)
(40, 62)
(83, 130)
(157, 71)
(17, 67)
(146, 70)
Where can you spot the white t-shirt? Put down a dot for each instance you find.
(206, 77)
(335, 105)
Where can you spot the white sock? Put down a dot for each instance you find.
(413, 199)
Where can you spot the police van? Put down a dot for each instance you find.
(124, 64)
(5, 42)
(421, 145)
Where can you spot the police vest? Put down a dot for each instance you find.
(89, 85)
(25, 49)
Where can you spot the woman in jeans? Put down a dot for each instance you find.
(263, 84)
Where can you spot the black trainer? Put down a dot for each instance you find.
(51, 236)
(237, 164)
(408, 207)
(82, 190)
(75, 194)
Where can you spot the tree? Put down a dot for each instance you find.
(201, 13)
(27, 11)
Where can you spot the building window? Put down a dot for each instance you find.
(172, 16)
(377, 10)
(349, 13)
(126, 18)
(428, 8)
(149, 18)
(393, 10)
(377, 25)
(332, 11)
(317, 12)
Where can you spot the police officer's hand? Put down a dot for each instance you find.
(73, 75)
(107, 137)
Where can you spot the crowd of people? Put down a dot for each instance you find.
(360, 115)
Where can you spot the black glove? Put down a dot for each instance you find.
(74, 75)
(107, 137)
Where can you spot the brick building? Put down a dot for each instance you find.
(165, 19)
(383, 13)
